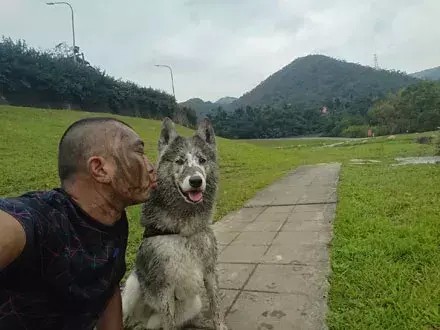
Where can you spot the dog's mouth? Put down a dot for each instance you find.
(191, 196)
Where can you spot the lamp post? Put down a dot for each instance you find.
(73, 24)
(172, 79)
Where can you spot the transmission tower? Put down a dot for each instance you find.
(376, 62)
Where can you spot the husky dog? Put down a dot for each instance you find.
(178, 254)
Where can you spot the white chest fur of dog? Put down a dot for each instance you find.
(183, 278)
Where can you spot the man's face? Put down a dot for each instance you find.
(134, 175)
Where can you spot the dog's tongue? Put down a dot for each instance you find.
(195, 196)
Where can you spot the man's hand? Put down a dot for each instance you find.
(12, 239)
(111, 318)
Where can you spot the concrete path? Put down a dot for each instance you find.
(273, 263)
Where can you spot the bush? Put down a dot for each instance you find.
(381, 130)
(355, 131)
(423, 139)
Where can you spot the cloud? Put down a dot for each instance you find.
(226, 47)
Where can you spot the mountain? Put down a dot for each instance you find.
(428, 74)
(202, 108)
(225, 100)
(314, 80)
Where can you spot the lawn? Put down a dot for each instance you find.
(385, 254)
(386, 250)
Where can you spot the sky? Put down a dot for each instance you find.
(222, 48)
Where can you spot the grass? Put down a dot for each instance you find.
(293, 143)
(385, 253)
(386, 250)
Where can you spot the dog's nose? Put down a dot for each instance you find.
(195, 181)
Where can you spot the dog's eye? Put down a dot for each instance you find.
(202, 160)
(180, 161)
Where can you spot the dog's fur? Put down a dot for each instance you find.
(178, 254)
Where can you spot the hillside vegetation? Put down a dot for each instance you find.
(50, 79)
(314, 80)
(413, 109)
(428, 74)
(373, 101)
(203, 108)
(316, 95)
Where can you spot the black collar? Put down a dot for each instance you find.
(153, 231)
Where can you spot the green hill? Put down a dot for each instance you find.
(202, 108)
(313, 95)
(428, 74)
(225, 100)
(314, 79)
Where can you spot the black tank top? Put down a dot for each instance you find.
(69, 268)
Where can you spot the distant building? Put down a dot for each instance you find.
(324, 110)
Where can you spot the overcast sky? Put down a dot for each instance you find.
(226, 47)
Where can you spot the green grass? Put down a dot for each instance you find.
(385, 254)
(386, 249)
(295, 142)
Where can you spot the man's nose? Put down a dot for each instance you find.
(152, 174)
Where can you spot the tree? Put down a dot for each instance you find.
(50, 79)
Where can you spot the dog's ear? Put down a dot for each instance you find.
(206, 132)
(167, 134)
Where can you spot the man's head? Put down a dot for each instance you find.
(109, 155)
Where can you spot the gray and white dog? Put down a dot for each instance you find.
(178, 254)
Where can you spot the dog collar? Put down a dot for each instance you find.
(153, 231)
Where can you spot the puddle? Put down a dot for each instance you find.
(417, 160)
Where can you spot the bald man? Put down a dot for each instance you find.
(62, 252)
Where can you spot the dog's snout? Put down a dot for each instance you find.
(195, 181)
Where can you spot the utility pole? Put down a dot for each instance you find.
(172, 79)
(73, 24)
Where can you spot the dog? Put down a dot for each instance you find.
(177, 257)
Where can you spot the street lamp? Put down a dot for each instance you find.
(171, 72)
(73, 24)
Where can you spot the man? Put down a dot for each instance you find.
(62, 252)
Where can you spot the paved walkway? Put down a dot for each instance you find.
(273, 263)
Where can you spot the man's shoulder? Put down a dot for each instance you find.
(35, 206)
(35, 199)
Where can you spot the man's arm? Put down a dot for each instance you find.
(12, 239)
(111, 318)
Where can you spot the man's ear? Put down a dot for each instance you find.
(206, 132)
(98, 169)
(167, 134)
